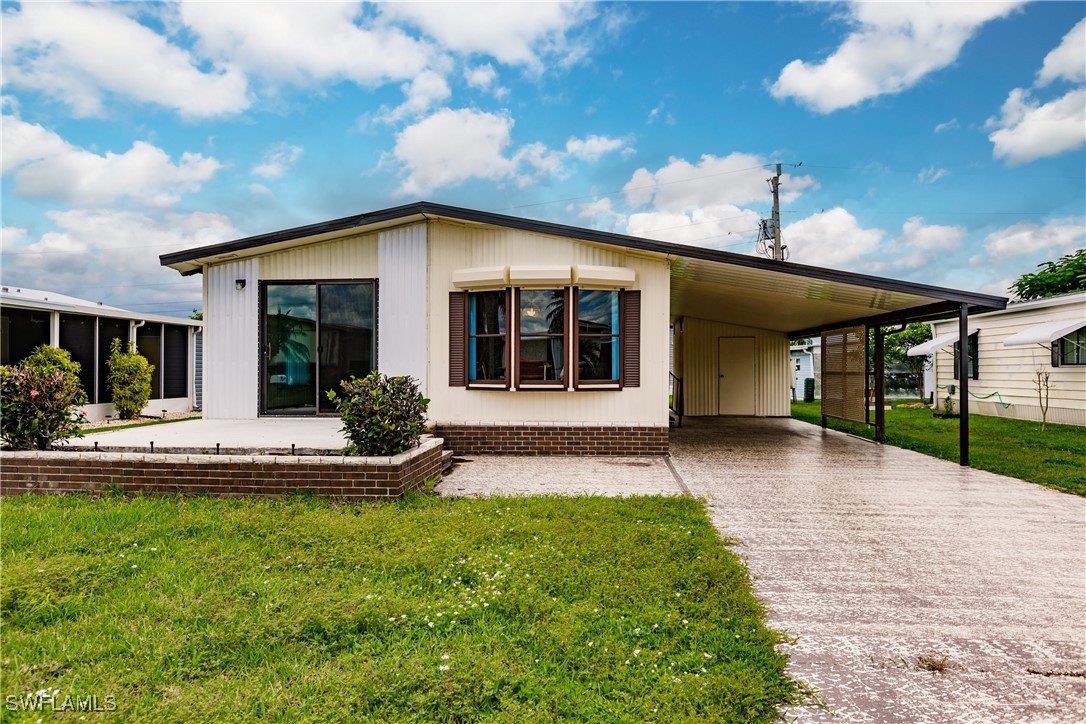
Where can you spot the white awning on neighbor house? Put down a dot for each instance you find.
(943, 340)
(1045, 333)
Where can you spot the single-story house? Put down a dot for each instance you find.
(806, 361)
(528, 336)
(30, 317)
(1007, 349)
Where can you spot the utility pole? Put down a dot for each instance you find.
(778, 250)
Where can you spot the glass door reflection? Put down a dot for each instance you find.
(290, 354)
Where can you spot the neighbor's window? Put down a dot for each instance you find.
(488, 339)
(974, 367)
(597, 336)
(1073, 348)
(541, 336)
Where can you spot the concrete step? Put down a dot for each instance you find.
(446, 460)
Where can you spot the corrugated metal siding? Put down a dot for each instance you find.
(773, 377)
(198, 382)
(453, 247)
(402, 302)
(1011, 371)
(231, 322)
(354, 257)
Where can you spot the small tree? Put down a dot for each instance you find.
(897, 350)
(37, 398)
(1043, 385)
(129, 379)
(381, 415)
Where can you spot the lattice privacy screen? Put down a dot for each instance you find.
(844, 373)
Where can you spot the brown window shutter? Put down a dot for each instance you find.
(458, 339)
(631, 338)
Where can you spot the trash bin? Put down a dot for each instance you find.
(808, 389)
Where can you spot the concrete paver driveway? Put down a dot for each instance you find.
(875, 557)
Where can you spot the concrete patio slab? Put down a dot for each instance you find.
(875, 557)
(266, 433)
(488, 475)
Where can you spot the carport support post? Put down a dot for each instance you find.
(963, 387)
(880, 385)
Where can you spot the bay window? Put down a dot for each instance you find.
(545, 339)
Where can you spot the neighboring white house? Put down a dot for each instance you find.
(1007, 350)
(30, 317)
(527, 336)
(806, 362)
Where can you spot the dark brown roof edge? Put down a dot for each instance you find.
(602, 237)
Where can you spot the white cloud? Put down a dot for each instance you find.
(931, 174)
(277, 160)
(512, 33)
(115, 253)
(481, 76)
(601, 211)
(78, 53)
(422, 93)
(1028, 130)
(10, 235)
(735, 179)
(1067, 60)
(916, 234)
(719, 226)
(1028, 237)
(48, 167)
(893, 46)
(830, 238)
(592, 147)
(304, 42)
(950, 125)
(450, 147)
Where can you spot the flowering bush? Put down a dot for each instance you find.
(381, 415)
(36, 400)
(129, 379)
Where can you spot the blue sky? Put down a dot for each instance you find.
(940, 143)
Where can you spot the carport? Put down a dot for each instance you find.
(717, 298)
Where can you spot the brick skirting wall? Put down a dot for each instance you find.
(554, 439)
(221, 475)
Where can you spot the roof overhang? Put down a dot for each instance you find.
(1044, 333)
(95, 310)
(722, 286)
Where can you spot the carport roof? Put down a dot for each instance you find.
(716, 285)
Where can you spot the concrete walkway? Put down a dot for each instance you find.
(875, 557)
(486, 475)
(265, 433)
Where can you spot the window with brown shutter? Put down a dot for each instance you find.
(631, 338)
(457, 339)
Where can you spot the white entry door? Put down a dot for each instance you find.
(735, 376)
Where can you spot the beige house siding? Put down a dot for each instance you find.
(353, 257)
(1011, 371)
(696, 362)
(453, 247)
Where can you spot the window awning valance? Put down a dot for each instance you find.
(1044, 333)
(943, 340)
(496, 277)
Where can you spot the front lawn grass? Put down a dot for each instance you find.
(529, 609)
(1016, 448)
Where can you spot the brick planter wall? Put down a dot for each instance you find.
(221, 475)
(555, 439)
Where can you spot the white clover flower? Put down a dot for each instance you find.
(443, 667)
(133, 565)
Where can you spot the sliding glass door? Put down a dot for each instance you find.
(314, 336)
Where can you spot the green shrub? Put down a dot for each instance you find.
(37, 398)
(129, 379)
(381, 415)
